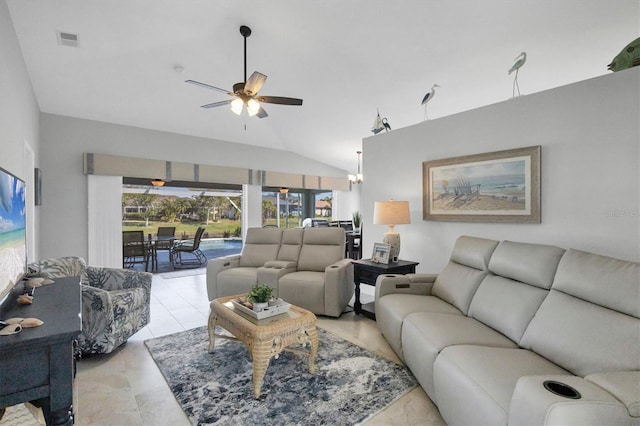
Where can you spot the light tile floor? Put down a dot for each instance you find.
(126, 388)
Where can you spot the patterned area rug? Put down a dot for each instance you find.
(350, 384)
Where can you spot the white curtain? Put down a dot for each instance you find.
(105, 221)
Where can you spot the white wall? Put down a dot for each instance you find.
(590, 137)
(64, 140)
(18, 116)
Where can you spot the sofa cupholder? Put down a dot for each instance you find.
(561, 389)
(334, 266)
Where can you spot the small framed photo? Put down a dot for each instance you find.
(380, 253)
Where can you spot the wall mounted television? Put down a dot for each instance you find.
(13, 232)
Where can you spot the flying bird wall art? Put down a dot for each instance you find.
(427, 98)
(519, 62)
(627, 58)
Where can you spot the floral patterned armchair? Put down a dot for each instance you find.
(115, 302)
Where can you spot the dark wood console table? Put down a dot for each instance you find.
(36, 365)
(366, 271)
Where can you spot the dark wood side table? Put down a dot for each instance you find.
(366, 272)
(37, 363)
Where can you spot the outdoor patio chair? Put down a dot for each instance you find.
(135, 249)
(187, 253)
(164, 242)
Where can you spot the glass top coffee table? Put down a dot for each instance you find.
(265, 338)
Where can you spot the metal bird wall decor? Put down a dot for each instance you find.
(519, 62)
(427, 98)
(627, 58)
(386, 125)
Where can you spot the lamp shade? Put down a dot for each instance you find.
(391, 213)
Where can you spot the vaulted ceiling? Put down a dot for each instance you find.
(346, 59)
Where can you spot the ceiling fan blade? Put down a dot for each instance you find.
(262, 113)
(279, 100)
(207, 86)
(217, 104)
(254, 83)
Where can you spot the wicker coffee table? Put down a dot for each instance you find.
(265, 338)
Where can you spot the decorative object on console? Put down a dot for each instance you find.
(391, 213)
(357, 178)
(157, 182)
(627, 58)
(519, 62)
(502, 186)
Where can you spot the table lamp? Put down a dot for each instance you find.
(391, 213)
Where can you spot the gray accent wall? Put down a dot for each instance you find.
(590, 137)
(19, 115)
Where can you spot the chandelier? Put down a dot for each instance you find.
(357, 178)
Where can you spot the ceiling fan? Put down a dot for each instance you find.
(246, 93)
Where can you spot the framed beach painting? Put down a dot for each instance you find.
(502, 186)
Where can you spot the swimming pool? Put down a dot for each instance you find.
(222, 244)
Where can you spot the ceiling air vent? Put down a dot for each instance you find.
(67, 39)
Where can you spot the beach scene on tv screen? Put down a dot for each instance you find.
(13, 250)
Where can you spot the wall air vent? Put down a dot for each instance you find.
(67, 39)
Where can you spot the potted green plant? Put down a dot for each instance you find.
(260, 295)
(357, 221)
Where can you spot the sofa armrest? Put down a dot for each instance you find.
(624, 385)
(281, 264)
(532, 403)
(419, 284)
(338, 287)
(214, 266)
(272, 271)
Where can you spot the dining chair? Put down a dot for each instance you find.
(163, 242)
(134, 249)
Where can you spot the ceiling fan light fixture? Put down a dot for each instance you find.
(253, 107)
(236, 106)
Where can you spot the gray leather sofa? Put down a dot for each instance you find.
(304, 266)
(515, 333)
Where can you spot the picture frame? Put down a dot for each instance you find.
(500, 187)
(380, 253)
